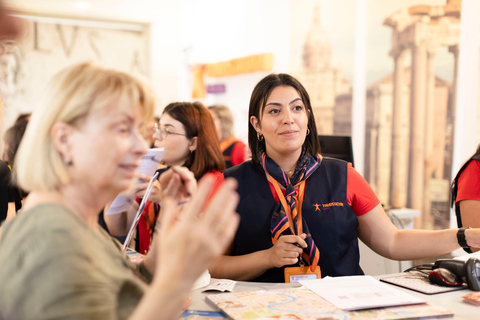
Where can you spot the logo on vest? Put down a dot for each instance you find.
(326, 206)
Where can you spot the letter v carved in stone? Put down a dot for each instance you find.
(67, 48)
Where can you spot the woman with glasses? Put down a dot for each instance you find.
(187, 133)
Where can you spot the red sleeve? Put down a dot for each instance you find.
(360, 195)
(469, 182)
(238, 154)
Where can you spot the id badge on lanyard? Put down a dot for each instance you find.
(302, 272)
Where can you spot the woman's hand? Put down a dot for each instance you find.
(473, 237)
(178, 183)
(186, 247)
(285, 251)
(141, 187)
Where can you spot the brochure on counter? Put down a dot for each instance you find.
(359, 292)
(300, 303)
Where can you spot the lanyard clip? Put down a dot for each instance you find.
(300, 259)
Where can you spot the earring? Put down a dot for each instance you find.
(68, 162)
(259, 137)
(308, 131)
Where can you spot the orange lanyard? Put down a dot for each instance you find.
(288, 211)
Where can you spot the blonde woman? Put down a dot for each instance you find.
(80, 150)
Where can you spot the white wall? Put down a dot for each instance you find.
(218, 30)
(187, 32)
(164, 17)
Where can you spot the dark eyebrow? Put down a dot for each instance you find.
(295, 100)
(279, 104)
(273, 104)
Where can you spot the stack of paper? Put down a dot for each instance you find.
(359, 292)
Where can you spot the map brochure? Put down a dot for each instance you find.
(472, 297)
(359, 292)
(300, 303)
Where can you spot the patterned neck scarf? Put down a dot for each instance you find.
(288, 214)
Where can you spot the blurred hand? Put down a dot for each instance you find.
(186, 247)
(285, 251)
(178, 183)
(141, 187)
(11, 27)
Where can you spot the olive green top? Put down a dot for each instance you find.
(53, 266)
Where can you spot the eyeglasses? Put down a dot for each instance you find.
(163, 133)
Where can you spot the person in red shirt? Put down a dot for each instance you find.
(465, 193)
(234, 151)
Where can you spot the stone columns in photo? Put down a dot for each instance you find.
(429, 161)
(417, 132)
(400, 127)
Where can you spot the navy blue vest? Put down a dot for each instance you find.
(331, 221)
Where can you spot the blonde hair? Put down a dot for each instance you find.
(71, 95)
(225, 116)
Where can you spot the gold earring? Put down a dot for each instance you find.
(259, 137)
(308, 131)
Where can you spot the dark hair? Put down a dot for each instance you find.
(454, 186)
(13, 137)
(23, 117)
(259, 97)
(198, 122)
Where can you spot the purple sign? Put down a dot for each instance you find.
(216, 88)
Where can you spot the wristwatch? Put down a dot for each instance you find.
(461, 237)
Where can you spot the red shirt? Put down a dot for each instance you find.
(239, 153)
(469, 183)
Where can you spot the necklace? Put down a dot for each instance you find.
(290, 172)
